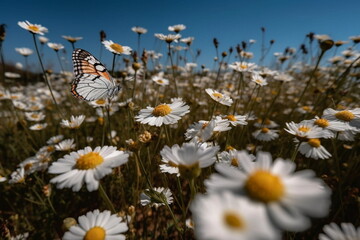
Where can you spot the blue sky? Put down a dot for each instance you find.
(287, 22)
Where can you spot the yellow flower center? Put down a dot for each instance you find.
(322, 122)
(233, 220)
(264, 186)
(204, 125)
(39, 126)
(243, 66)
(345, 115)
(265, 130)
(234, 162)
(161, 110)
(160, 81)
(89, 161)
(50, 148)
(34, 115)
(117, 47)
(259, 81)
(231, 118)
(28, 166)
(217, 95)
(33, 28)
(189, 171)
(303, 129)
(229, 148)
(172, 164)
(100, 101)
(314, 142)
(306, 108)
(95, 233)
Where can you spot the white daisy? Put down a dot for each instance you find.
(313, 149)
(177, 28)
(289, 197)
(219, 97)
(159, 79)
(242, 66)
(168, 38)
(116, 48)
(226, 216)
(139, 30)
(86, 166)
(65, 145)
(38, 126)
(334, 232)
(259, 80)
(75, 122)
(97, 225)
(234, 157)
(236, 120)
(157, 197)
(24, 51)
(204, 130)
(33, 28)
(72, 39)
(55, 139)
(163, 113)
(35, 116)
(55, 46)
(189, 158)
(350, 117)
(18, 176)
(306, 130)
(265, 134)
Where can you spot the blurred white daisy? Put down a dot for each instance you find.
(65, 145)
(242, 66)
(156, 197)
(265, 134)
(160, 80)
(203, 130)
(177, 28)
(18, 176)
(35, 116)
(33, 28)
(55, 46)
(38, 126)
(97, 225)
(226, 216)
(234, 157)
(258, 79)
(163, 113)
(55, 139)
(219, 97)
(116, 48)
(72, 39)
(139, 30)
(22, 236)
(347, 231)
(86, 166)
(189, 158)
(168, 38)
(43, 39)
(24, 51)
(75, 122)
(289, 197)
(236, 120)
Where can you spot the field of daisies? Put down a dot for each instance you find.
(237, 150)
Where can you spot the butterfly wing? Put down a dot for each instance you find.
(92, 80)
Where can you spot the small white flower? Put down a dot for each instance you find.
(156, 197)
(55, 46)
(116, 48)
(97, 225)
(86, 166)
(219, 97)
(75, 122)
(139, 30)
(163, 113)
(177, 28)
(334, 232)
(226, 216)
(33, 28)
(65, 145)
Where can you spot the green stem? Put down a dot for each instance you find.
(293, 157)
(58, 57)
(173, 70)
(106, 198)
(45, 76)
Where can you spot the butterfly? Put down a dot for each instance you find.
(92, 79)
